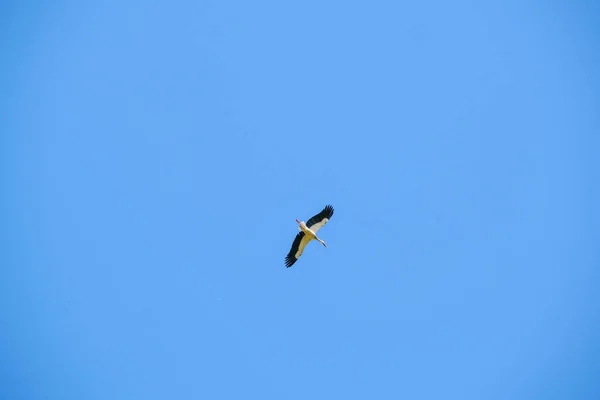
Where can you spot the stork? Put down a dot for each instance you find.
(308, 232)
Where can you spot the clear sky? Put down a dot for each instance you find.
(154, 157)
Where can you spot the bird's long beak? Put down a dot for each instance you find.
(324, 244)
(297, 220)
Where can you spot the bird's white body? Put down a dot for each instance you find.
(310, 234)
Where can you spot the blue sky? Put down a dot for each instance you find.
(156, 154)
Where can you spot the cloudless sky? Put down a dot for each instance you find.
(154, 157)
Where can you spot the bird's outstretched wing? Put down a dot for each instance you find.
(319, 220)
(298, 246)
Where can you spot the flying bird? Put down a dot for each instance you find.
(308, 232)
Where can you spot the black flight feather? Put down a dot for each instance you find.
(290, 259)
(326, 213)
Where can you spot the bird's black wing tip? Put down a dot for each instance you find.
(289, 261)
